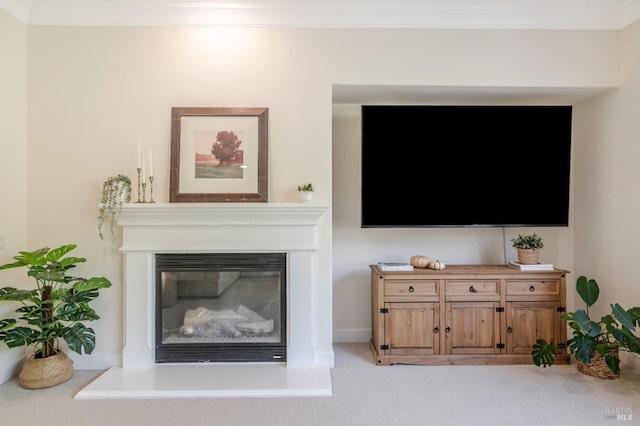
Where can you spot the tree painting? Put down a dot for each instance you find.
(226, 149)
(225, 158)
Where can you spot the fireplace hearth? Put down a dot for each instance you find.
(298, 232)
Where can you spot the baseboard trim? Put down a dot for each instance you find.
(94, 361)
(10, 368)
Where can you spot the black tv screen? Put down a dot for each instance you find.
(463, 166)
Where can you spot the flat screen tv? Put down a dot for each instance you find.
(465, 166)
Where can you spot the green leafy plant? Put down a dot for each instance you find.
(528, 242)
(305, 188)
(56, 308)
(116, 190)
(614, 331)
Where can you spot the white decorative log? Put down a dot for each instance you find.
(203, 322)
(228, 327)
(262, 327)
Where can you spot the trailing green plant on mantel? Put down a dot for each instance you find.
(614, 331)
(528, 242)
(116, 191)
(56, 308)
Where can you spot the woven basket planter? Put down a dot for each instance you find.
(528, 256)
(39, 373)
(598, 367)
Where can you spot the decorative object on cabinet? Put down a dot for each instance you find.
(437, 265)
(595, 345)
(395, 266)
(305, 192)
(528, 247)
(465, 314)
(419, 261)
(55, 309)
(219, 155)
(532, 266)
(116, 190)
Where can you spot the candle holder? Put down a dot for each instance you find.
(151, 200)
(139, 170)
(144, 195)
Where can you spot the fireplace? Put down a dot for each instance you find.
(220, 307)
(299, 233)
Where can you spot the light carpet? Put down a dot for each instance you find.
(363, 394)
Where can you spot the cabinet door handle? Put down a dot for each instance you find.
(436, 330)
(509, 330)
(448, 329)
(532, 288)
(472, 289)
(411, 289)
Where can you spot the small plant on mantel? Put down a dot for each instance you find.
(305, 188)
(595, 345)
(116, 190)
(305, 192)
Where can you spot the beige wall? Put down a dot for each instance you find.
(93, 92)
(607, 203)
(13, 162)
(13, 135)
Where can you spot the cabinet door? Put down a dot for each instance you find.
(472, 328)
(528, 322)
(412, 328)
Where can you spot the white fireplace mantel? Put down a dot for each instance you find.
(220, 227)
(292, 228)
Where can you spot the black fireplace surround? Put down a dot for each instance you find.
(220, 307)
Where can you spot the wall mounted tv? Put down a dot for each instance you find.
(465, 166)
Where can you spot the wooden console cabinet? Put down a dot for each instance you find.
(466, 314)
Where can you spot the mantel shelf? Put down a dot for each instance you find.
(192, 214)
(212, 227)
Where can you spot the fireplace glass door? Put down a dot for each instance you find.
(221, 307)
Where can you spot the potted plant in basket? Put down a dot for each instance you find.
(528, 247)
(116, 190)
(55, 309)
(595, 345)
(305, 192)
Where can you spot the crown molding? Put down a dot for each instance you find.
(463, 14)
(18, 8)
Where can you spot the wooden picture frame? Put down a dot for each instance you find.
(237, 172)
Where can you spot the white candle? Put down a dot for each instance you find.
(150, 163)
(139, 156)
(144, 173)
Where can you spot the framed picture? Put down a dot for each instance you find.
(219, 155)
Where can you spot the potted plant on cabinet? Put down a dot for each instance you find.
(116, 190)
(305, 192)
(55, 309)
(595, 345)
(528, 247)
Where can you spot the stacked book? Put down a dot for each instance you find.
(532, 267)
(395, 266)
